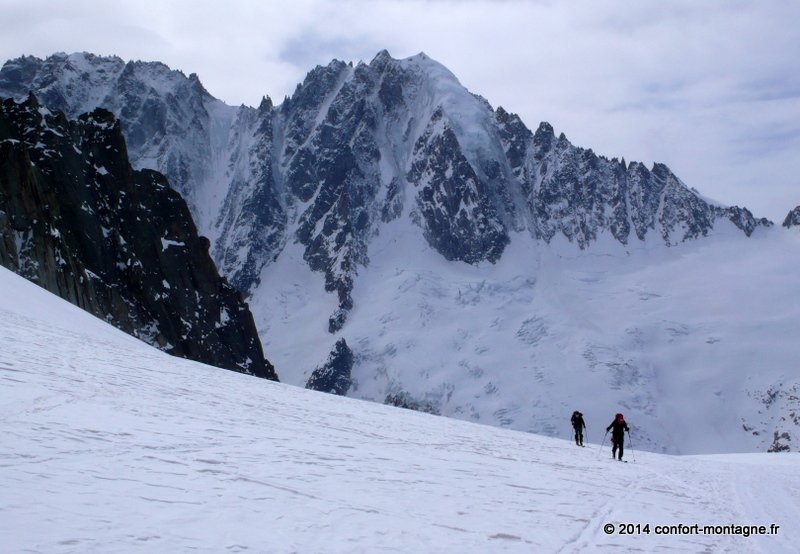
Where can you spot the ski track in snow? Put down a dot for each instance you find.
(111, 446)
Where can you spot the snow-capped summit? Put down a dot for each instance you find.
(355, 147)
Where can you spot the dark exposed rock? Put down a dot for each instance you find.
(792, 218)
(457, 216)
(404, 400)
(578, 194)
(119, 243)
(743, 219)
(252, 221)
(334, 375)
(781, 442)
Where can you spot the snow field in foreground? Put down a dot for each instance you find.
(109, 445)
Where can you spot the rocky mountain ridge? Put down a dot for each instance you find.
(76, 219)
(357, 146)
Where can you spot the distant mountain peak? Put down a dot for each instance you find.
(357, 144)
(381, 58)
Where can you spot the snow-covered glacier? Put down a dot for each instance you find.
(118, 447)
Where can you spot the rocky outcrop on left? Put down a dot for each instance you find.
(76, 219)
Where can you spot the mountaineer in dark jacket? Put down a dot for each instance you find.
(579, 425)
(617, 428)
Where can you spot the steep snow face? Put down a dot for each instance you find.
(116, 445)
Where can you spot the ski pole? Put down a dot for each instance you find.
(630, 445)
(601, 445)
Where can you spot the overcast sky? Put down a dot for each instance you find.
(711, 88)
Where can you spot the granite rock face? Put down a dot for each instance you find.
(76, 219)
(334, 375)
(574, 192)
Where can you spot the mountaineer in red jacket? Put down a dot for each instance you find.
(618, 428)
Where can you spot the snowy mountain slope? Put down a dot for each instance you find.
(475, 268)
(696, 343)
(109, 445)
(356, 147)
